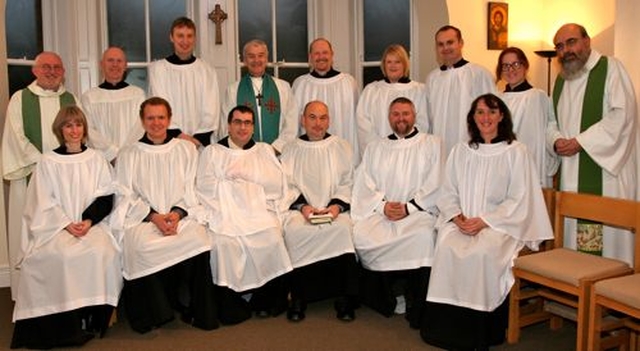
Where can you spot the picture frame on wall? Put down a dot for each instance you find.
(497, 26)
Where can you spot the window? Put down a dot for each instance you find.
(282, 24)
(24, 40)
(383, 23)
(141, 28)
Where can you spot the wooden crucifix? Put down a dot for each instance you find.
(218, 16)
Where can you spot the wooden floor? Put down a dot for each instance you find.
(319, 331)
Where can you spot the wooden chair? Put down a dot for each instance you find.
(621, 295)
(565, 276)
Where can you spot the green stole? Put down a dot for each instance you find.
(589, 173)
(31, 122)
(269, 102)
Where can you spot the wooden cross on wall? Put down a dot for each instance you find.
(218, 16)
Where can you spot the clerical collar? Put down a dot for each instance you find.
(413, 133)
(146, 140)
(62, 150)
(108, 86)
(458, 64)
(226, 141)
(330, 74)
(305, 137)
(178, 61)
(524, 86)
(403, 80)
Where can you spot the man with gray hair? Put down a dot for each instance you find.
(270, 98)
(596, 109)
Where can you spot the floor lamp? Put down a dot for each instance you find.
(548, 54)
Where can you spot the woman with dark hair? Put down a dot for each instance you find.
(491, 206)
(531, 111)
(70, 273)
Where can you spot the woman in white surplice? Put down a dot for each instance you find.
(70, 274)
(165, 249)
(491, 206)
(242, 186)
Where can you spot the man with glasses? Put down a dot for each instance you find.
(452, 87)
(242, 186)
(28, 134)
(598, 138)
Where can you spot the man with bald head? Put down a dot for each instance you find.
(319, 171)
(596, 109)
(112, 107)
(338, 90)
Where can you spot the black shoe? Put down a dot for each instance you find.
(262, 313)
(346, 314)
(295, 313)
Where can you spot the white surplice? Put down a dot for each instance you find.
(499, 184)
(192, 91)
(289, 118)
(449, 97)
(19, 157)
(612, 143)
(534, 124)
(115, 113)
(243, 192)
(157, 177)
(340, 94)
(320, 171)
(397, 170)
(372, 113)
(60, 272)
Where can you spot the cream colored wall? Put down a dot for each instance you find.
(532, 25)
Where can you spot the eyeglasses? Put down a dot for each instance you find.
(567, 44)
(239, 122)
(49, 68)
(514, 65)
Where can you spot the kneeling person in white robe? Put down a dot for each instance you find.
(242, 186)
(320, 174)
(491, 206)
(166, 250)
(394, 209)
(70, 274)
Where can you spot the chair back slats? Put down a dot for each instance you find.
(610, 211)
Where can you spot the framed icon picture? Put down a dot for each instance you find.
(497, 26)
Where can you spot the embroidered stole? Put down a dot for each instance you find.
(31, 122)
(267, 127)
(589, 173)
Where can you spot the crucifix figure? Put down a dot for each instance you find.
(218, 16)
(259, 97)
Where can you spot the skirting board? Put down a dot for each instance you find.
(5, 279)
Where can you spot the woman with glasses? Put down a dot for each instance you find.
(533, 117)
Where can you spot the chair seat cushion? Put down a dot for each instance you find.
(570, 266)
(623, 289)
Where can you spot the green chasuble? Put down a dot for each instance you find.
(267, 128)
(589, 173)
(31, 122)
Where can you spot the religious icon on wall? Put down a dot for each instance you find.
(497, 26)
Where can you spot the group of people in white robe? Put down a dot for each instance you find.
(403, 202)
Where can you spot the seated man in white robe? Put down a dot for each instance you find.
(318, 226)
(242, 186)
(394, 198)
(166, 250)
(71, 272)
